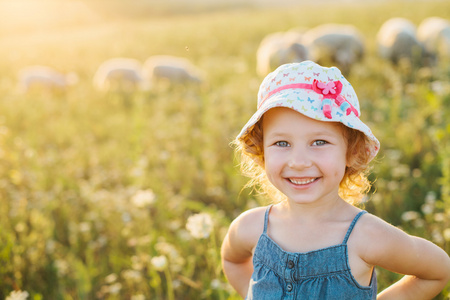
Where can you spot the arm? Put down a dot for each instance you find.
(237, 249)
(427, 267)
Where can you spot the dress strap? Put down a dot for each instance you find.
(352, 225)
(266, 218)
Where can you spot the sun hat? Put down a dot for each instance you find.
(317, 92)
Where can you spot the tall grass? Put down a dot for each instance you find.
(96, 188)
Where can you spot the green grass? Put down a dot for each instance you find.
(71, 162)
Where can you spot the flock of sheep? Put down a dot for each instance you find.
(124, 74)
(343, 45)
(337, 44)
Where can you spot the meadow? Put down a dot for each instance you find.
(97, 189)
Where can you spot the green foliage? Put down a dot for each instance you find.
(73, 163)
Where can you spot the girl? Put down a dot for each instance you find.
(308, 149)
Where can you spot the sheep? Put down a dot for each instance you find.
(279, 48)
(434, 33)
(45, 78)
(175, 70)
(119, 74)
(339, 44)
(397, 40)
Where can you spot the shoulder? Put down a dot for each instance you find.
(375, 235)
(250, 224)
(382, 244)
(244, 232)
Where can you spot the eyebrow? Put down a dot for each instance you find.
(319, 133)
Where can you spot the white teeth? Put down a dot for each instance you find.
(302, 181)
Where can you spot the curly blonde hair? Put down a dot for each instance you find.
(352, 188)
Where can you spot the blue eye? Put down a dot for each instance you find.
(282, 144)
(319, 143)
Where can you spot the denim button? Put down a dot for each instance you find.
(289, 287)
(291, 264)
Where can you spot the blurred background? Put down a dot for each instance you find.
(117, 180)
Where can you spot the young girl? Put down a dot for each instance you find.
(308, 149)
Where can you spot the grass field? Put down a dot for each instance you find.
(96, 189)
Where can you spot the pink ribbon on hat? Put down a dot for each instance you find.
(330, 90)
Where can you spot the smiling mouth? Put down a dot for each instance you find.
(302, 181)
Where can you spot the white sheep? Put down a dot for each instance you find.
(119, 74)
(434, 33)
(279, 48)
(175, 70)
(339, 44)
(45, 78)
(397, 39)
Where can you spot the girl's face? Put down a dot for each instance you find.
(303, 158)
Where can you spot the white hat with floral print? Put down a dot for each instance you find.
(317, 92)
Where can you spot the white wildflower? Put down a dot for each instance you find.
(200, 225)
(159, 262)
(216, 284)
(401, 171)
(176, 284)
(167, 249)
(132, 275)
(84, 227)
(115, 288)
(62, 267)
(439, 217)
(446, 234)
(437, 237)
(111, 278)
(143, 198)
(427, 208)
(17, 295)
(409, 216)
(430, 198)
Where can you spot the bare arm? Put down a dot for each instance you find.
(237, 249)
(427, 267)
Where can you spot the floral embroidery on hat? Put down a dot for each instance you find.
(331, 89)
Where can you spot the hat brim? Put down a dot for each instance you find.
(309, 104)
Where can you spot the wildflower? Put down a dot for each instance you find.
(401, 171)
(84, 227)
(439, 217)
(408, 216)
(427, 208)
(143, 198)
(216, 284)
(437, 237)
(132, 275)
(430, 198)
(111, 278)
(200, 225)
(17, 295)
(115, 288)
(138, 297)
(446, 234)
(62, 267)
(167, 248)
(159, 262)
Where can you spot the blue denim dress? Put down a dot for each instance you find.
(320, 274)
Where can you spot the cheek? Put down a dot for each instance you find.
(271, 164)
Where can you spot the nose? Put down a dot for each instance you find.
(299, 160)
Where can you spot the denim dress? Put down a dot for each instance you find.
(320, 274)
